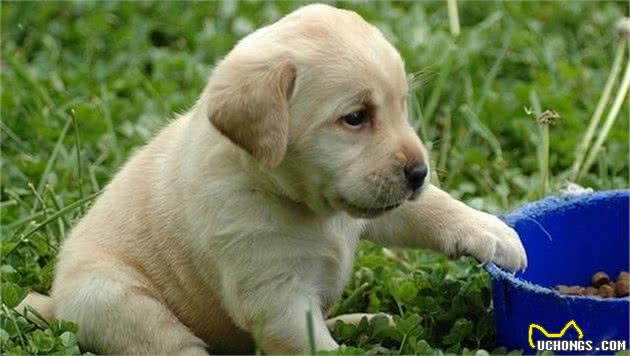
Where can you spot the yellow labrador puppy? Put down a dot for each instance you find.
(252, 203)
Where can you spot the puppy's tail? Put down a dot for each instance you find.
(43, 306)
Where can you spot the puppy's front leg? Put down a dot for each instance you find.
(438, 221)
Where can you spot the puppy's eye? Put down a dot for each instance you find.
(356, 119)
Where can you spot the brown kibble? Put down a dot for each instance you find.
(622, 287)
(602, 286)
(599, 279)
(622, 290)
(590, 291)
(606, 291)
(560, 288)
(570, 290)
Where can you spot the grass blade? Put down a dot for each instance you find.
(51, 218)
(53, 156)
(492, 74)
(483, 131)
(310, 329)
(77, 144)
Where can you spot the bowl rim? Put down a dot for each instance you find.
(537, 208)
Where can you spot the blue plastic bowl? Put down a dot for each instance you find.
(567, 240)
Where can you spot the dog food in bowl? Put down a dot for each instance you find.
(601, 286)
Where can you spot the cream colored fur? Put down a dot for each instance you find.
(253, 202)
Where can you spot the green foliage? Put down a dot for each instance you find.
(18, 336)
(121, 69)
(436, 303)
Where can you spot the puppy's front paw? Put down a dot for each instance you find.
(487, 238)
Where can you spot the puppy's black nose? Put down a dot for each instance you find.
(415, 175)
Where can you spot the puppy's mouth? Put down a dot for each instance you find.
(365, 212)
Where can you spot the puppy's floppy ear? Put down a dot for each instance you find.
(249, 104)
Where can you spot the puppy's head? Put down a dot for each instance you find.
(320, 100)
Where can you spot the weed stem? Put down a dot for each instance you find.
(544, 178)
(583, 146)
(453, 17)
(610, 120)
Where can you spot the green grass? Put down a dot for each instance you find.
(84, 84)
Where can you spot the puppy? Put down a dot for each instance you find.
(249, 207)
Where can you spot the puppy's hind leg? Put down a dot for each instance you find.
(118, 314)
(42, 304)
